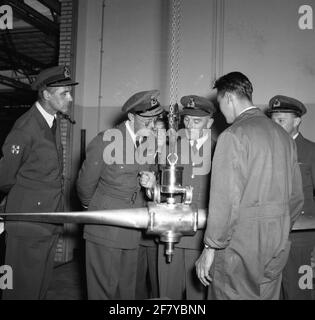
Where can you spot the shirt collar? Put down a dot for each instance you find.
(252, 107)
(47, 116)
(200, 141)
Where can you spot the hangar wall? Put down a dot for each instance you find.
(123, 47)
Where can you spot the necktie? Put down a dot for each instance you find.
(54, 127)
(194, 147)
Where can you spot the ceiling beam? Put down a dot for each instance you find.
(33, 17)
(53, 5)
(14, 83)
(51, 40)
(21, 59)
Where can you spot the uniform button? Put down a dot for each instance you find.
(193, 164)
(302, 212)
(192, 176)
(38, 203)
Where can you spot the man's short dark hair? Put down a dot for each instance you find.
(42, 89)
(234, 82)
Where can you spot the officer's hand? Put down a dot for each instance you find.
(203, 265)
(147, 179)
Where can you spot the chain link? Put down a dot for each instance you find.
(174, 77)
(176, 16)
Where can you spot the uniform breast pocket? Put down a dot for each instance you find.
(125, 168)
(306, 172)
(47, 157)
(124, 174)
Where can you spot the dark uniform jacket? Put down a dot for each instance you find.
(302, 241)
(201, 187)
(256, 194)
(31, 171)
(306, 159)
(102, 185)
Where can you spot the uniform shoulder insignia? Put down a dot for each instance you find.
(15, 149)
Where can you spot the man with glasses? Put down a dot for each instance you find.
(113, 183)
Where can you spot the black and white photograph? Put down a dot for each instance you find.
(157, 150)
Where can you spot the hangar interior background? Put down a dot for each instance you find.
(118, 47)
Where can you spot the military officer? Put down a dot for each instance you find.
(105, 183)
(147, 277)
(31, 175)
(178, 280)
(288, 112)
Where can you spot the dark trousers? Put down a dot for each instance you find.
(178, 279)
(110, 272)
(147, 277)
(303, 243)
(32, 262)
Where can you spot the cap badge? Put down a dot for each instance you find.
(191, 103)
(154, 101)
(66, 72)
(276, 103)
